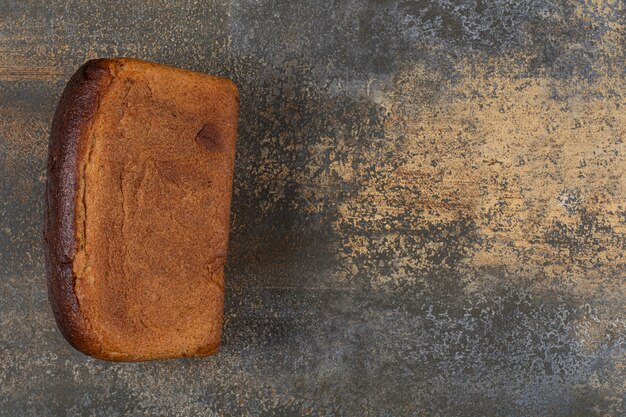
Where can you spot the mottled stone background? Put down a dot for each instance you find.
(429, 215)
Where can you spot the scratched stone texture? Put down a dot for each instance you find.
(429, 210)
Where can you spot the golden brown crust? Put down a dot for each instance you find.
(137, 204)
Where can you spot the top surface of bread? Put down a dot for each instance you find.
(138, 202)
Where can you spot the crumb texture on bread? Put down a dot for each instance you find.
(152, 158)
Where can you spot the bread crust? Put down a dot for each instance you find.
(69, 144)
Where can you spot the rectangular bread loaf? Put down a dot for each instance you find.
(137, 209)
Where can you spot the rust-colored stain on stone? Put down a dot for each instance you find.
(534, 165)
(428, 218)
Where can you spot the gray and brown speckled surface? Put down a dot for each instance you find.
(429, 215)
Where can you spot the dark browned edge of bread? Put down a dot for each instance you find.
(74, 113)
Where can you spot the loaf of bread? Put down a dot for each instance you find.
(137, 209)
